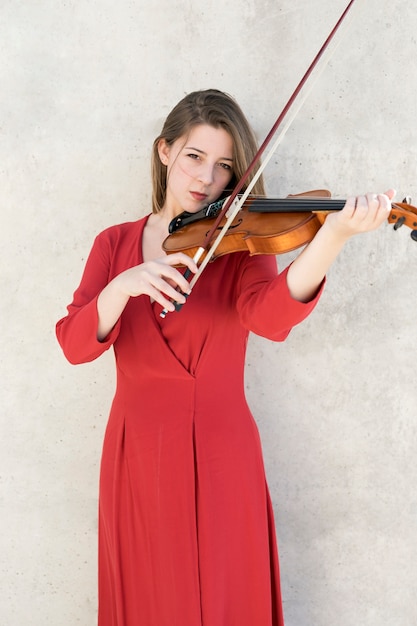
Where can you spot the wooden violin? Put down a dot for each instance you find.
(269, 225)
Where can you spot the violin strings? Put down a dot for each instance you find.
(258, 204)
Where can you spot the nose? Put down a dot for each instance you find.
(206, 174)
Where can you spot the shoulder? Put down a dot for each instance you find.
(124, 231)
(125, 236)
(119, 246)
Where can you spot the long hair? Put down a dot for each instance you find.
(217, 109)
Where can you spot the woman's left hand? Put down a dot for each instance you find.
(361, 214)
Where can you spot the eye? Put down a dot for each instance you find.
(193, 155)
(226, 166)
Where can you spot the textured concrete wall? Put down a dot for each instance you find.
(84, 88)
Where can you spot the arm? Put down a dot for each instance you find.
(359, 215)
(264, 303)
(91, 327)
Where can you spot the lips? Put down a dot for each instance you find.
(198, 196)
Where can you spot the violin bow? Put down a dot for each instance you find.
(233, 199)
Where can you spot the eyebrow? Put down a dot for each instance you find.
(205, 153)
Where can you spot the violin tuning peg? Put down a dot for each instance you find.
(399, 222)
(413, 235)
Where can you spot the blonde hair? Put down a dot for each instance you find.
(216, 109)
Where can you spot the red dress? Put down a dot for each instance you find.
(186, 528)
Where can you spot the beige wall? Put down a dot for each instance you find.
(84, 88)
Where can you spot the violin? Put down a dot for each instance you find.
(269, 225)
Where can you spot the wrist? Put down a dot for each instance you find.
(334, 232)
(117, 287)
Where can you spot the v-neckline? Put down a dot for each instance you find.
(152, 308)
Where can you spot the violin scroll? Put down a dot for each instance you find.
(404, 213)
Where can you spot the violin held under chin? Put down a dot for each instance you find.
(269, 225)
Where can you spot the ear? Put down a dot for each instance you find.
(163, 151)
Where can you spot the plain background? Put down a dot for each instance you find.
(85, 86)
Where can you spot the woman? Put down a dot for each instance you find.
(186, 529)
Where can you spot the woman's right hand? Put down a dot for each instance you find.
(158, 279)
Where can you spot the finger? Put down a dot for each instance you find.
(367, 211)
(171, 287)
(372, 210)
(180, 280)
(385, 200)
(379, 207)
(182, 277)
(350, 206)
(163, 278)
(165, 294)
(165, 303)
(390, 194)
(373, 202)
(170, 282)
(362, 207)
(179, 258)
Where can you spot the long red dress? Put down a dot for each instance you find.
(186, 528)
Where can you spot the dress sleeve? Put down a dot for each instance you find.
(77, 331)
(264, 303)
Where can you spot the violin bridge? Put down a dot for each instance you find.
(232, 208)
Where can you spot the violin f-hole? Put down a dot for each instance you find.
(238, 223)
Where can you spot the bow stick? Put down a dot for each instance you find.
(233, 198)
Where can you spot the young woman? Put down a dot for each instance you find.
(186, 529)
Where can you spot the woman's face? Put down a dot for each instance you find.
(199, 168)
